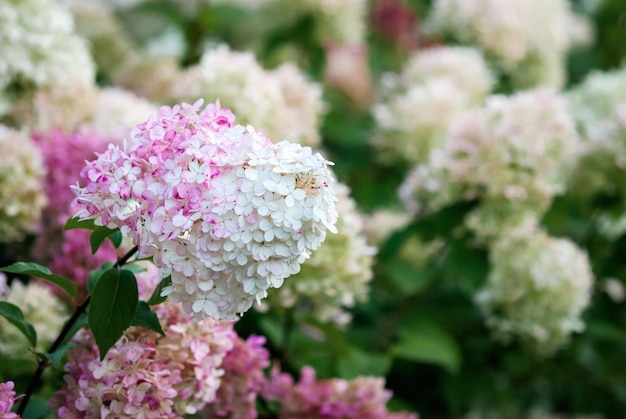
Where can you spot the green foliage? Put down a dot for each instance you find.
(113, 307)
(38, 271)
(14, 315)
(145, 317)
(156, 297)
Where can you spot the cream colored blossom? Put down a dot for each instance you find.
(536, 291)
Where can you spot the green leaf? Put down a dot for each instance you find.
(55, 357)
(36, 408)
(116, 238)
(80, 322)
(146, 318)
(14, 315)
(156, 298)
(36, 270)
(99, 235)
(426, 342)
(95, 275)
(75, 222)
(363, 363)
(113, 307)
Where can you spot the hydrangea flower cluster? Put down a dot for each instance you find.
(527, 39)
(536, 290)
(7, 399)
(64, 154)
(217, 206)
(22, 174)
(256, 95)
(337, 275)
(598, 105)
(39, 48)
(363, 397)
(41, 308)
(515, 153)
(144, 375)
(242, 381)
(440, 83)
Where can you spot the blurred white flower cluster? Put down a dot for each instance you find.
(281, 103)
(527, 39)
(41, 308)
(336, 276)
(416, 106)
(537, 288)
(22, 173)
(38, 47)
(515, 154)
(219, 207)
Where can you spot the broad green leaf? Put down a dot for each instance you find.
(37, 408)
(56, 357)
(156, 298)
(146, 318)
(14, 315)
(116, 238)
(36, 270)
(428, 343)
(95, 275)
(363, 363)
(469, 263)
(75, 222)
(80, 322)
(113, 307)
(99, 235)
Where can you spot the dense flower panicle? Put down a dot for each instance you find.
(537, 289)
(336, 276)
(144, 375)
(516, 152)
(7, 399)
(38, 47)
(22, 175)
(242, 381)
(362, 397)
(527, 39)
(41, 308)
(64, 155)
(219, 207)
(416, 106)
(256, 95)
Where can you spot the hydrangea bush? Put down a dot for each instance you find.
(473, 224)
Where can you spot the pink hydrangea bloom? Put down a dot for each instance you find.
(67, 253)
(145, 375)
(242, 381)
(7, 399)
(219, 207)
(362, 398)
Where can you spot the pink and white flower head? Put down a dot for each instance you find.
(219, 207)
(7, 399)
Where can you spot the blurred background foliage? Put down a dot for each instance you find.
(420, 327)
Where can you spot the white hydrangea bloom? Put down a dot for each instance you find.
(336, 276)
(416, 106)
(517, 34)
(38, 46)
(515, 153)
(536, 290)
(217, 206)
(41, 308)
(22, 197)
(257, 96)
